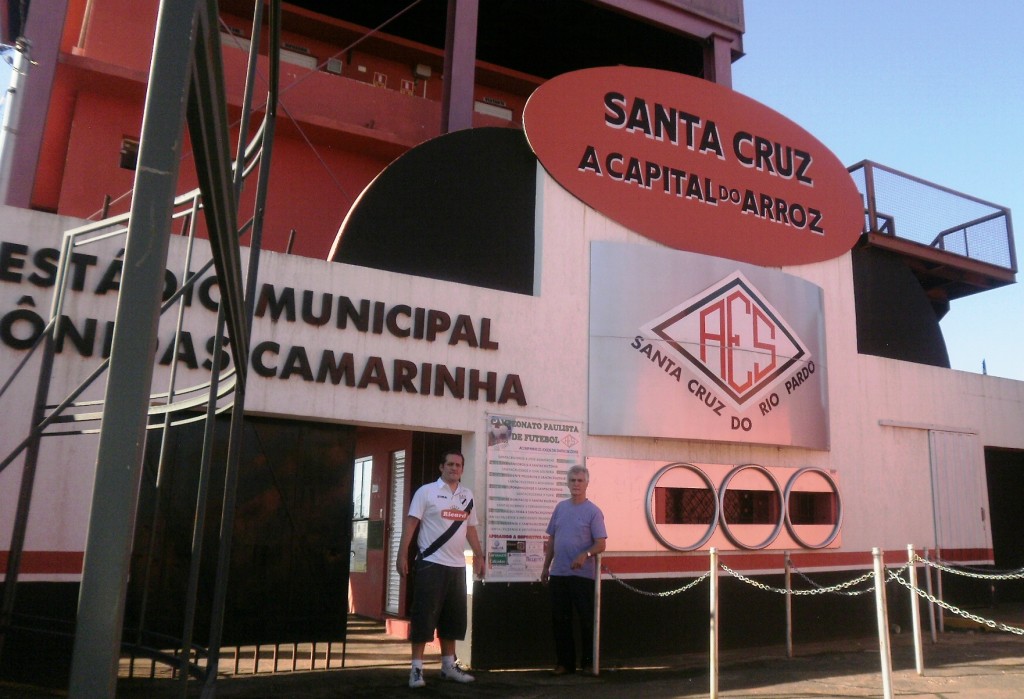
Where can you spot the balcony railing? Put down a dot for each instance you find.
(908, 208)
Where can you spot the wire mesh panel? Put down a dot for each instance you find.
(909, 208)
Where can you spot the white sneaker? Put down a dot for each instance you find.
(416, 678)
(456, 674)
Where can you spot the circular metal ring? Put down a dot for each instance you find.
(650, 510)
(778, 493)
(839, 508)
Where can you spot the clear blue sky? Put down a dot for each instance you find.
(932, 88)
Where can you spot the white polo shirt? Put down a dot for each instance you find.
(437, 507)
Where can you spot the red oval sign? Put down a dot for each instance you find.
(694, 166)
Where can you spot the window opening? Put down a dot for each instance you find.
(129, 153)
(361, 480)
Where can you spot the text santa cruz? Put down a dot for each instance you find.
(678, 127)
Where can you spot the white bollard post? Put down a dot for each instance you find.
(597, 618)
(882, 616)
(915, 611)
(938, 591)
(789, 608)
(928, 589)
(713, 630)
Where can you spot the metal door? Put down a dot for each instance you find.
(959, 491)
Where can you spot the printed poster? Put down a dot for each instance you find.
(527, 462)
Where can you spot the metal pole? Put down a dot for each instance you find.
(165, 437)
(237, 414)
(28, 480)
(936, 509)
(915, 611)
(869, 187)
(126, 402)
(597, 618)
(713, 630)
(12, 111)
(227, 522)
(882, 615)
(31, 444)
(928, 589)
(938, 592)
(789, 607)
(202, 496)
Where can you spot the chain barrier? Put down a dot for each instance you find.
(978, 569)
(1013, 575)
(848, 593)
(842, 588)
(648, 593)
(895, 576)
(988, 570)
(818, 590)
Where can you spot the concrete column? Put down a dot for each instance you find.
(718, 60)
(459, 65)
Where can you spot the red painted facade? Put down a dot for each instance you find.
(335, 133)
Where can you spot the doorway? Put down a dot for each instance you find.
(1004, 470)
(399, 462)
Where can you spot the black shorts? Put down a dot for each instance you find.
(438, 602)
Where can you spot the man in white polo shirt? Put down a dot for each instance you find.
(444, 512)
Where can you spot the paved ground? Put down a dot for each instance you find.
(962, 664)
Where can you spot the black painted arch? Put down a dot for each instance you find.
(457, 208)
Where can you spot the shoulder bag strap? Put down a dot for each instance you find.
(448, 533)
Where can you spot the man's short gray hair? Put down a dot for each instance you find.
(577, 469)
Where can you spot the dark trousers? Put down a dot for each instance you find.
(438, 602)
(572, 593)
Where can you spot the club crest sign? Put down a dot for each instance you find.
(734, 337)
(695, 347)
(679, 160)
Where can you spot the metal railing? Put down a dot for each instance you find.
(874, 581)
(906, 207)
(221, 183)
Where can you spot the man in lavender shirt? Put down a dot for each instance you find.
(576, 534)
